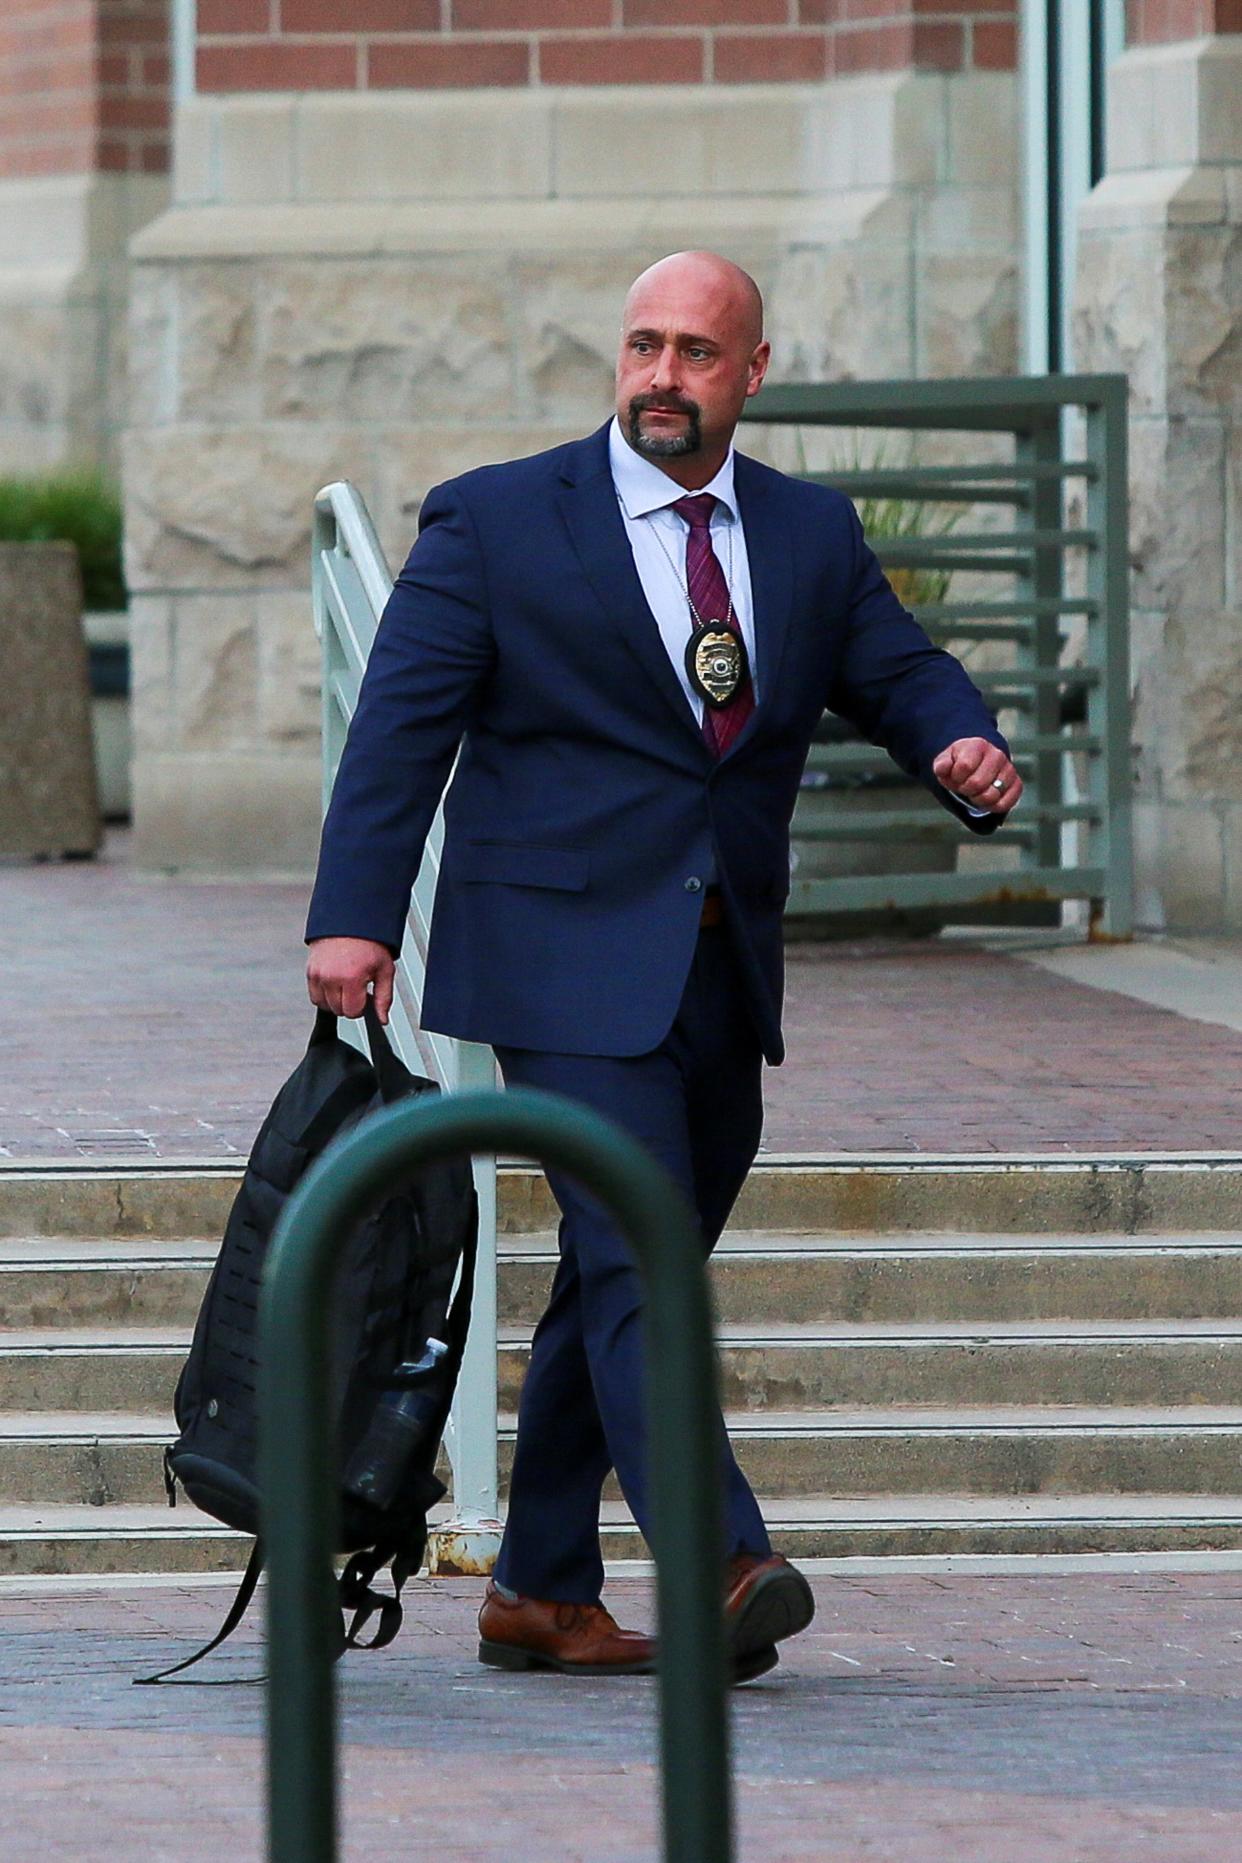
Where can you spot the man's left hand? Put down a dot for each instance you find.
(980, 774)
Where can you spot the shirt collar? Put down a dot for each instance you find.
(643, 488)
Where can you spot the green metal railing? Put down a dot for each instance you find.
(297, 1460)
(1065, 705)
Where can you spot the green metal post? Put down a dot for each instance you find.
(1108, 581)
(1042, 585)
(297, 1461)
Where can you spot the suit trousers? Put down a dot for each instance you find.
(695, 1102)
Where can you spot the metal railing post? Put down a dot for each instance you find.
(1108, 581)
(297, 1461)
(470, 1540)
(1042, 581)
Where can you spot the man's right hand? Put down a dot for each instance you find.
(339, 971)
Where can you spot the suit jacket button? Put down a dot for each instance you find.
(694, 884)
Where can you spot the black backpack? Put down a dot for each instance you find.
(394, 1293)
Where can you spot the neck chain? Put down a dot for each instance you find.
(684, 580)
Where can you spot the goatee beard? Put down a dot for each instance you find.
(661, 445)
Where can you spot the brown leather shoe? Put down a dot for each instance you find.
(576, 1639)
(766, 1600)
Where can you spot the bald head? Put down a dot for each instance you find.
(722, 288)
(692, 351)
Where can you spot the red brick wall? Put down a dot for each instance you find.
(425, 44)
(83, 86)
(1151, 22)
(134, 85)
(47, 86)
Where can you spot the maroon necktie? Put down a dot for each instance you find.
(709, 594)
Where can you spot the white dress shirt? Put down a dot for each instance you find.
(656, 534)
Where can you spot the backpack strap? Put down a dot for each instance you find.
(324, 1029)
(394, 1081)
(236, 1611)
(357, 1594)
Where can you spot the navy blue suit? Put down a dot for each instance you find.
(584, 815)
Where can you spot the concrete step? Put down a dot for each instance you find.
(1050, 1362)
(128, 1368)
(886, 1526)
(1003, 1450)
(72, 1458)
(130, 1202)
(885, 1193)
(82, 1459)
(67, 1541)
(918, 1355)
(1132, 1194)
(758, 1277)
(761, 1368)
(764, 1276)
(96, 1281)
(70, 1540)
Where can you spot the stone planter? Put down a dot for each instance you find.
(49, 801)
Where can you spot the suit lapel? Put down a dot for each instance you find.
(769, 552)
(588, 502)
(591, 512)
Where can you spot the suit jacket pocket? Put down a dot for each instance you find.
(522, 863)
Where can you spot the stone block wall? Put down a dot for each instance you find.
(1160, 296)
(392, 286)
(84, 153)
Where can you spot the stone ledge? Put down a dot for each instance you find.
(1161, 197)
(900, 128)
(288, 229)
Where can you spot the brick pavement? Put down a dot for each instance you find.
(1079, 1718)
(156, 1018)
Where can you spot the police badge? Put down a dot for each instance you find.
(716, 662)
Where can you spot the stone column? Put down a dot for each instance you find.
(1159, 295)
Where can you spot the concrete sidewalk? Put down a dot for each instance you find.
(1081, 1718)
(146, 1017)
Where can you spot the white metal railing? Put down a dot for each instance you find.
(350, 583)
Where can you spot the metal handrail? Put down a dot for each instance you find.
(350, 583)
(1066, 692)
(297, 1450)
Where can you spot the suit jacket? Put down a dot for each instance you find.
(586, 809)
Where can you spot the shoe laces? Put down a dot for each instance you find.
(573, 1617)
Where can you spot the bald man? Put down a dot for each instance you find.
(630, 641)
